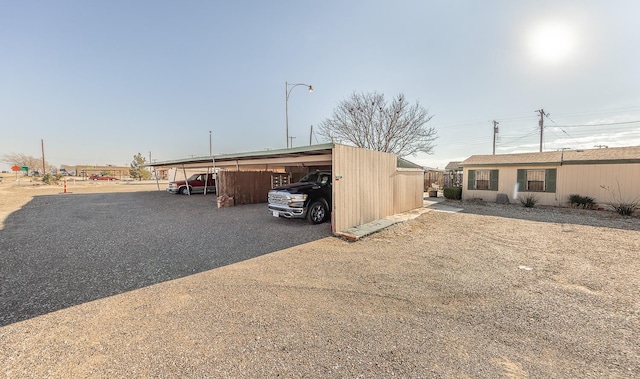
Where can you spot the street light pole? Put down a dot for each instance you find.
(287, 92)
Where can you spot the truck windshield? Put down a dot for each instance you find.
(316, 177)
(310, 177)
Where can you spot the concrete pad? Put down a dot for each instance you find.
(430, 204)
(444, 208)
(357, 232)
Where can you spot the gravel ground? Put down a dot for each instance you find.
(63, 250)
(444, 295)
(603, 218)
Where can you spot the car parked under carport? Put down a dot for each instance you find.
(367, 185)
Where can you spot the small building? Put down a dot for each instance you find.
(87, 170)
(433, 178)
(367, 185)
(607, 175)
(453, 174)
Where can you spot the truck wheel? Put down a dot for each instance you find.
(317, 212)
(184, 191)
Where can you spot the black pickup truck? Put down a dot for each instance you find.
(309, 198)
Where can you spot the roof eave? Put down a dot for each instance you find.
(246, 155)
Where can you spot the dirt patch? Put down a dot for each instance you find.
(443, 295)
(15, 194)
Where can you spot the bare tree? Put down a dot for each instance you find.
(367, 120)
(15, 159)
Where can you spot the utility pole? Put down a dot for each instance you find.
(213, 165)
(495, 132)
(310, 135)
(44, 168)
(541, 124)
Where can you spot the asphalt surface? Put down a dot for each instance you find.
(60, 251)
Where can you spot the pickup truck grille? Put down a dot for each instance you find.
(278, 198)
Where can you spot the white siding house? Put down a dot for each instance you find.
(607, 175)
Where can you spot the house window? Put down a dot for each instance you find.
(535, 180)
(482, 179)
(486, 180)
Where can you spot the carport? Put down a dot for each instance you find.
(367, 185)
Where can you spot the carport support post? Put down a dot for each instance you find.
(185, 180)
(206, 181)
(155, 172)
(213, 161)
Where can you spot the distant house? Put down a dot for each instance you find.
(553, 176)
(453, 174)
(432, 178)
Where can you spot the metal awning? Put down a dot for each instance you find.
(315, 155)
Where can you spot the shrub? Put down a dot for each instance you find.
(625, 209)
(50, 178)
(621, 205)
(528, 201)
(453, 193)
(586, 202)
(574, 200)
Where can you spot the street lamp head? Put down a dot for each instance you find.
(288, 88)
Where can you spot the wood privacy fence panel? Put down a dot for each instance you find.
(407, 193)
(246, 187)
(362, 187)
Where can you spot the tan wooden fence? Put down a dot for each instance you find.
(246, 187)
(368, 186)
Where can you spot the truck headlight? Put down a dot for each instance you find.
(297, 200)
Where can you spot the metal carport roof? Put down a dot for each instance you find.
(314, 155)
(368, 184)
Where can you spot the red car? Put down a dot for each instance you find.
(197, 184)
(103, 177)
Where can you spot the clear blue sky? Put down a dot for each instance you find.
(100, 81)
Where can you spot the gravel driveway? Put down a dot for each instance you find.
(59, 251)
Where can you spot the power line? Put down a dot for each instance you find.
(603, 124)
(585, 132)
(558, 126)
(534, 131)
(604, 111)
(522, 116)
(478, 121)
